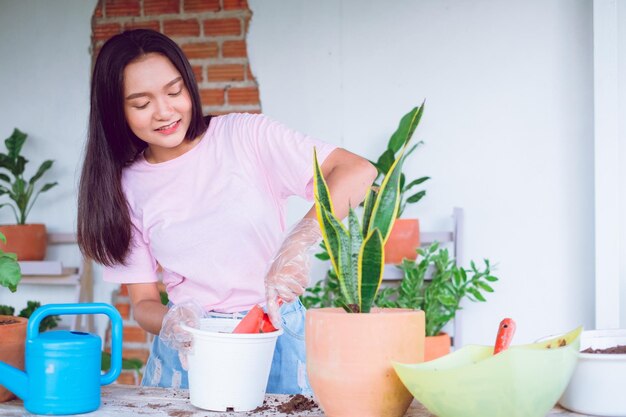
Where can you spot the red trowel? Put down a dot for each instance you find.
(506, 330)
(256, 321)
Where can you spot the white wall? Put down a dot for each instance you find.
(45, 72)
(620, 185)
(508, 127)
(508, 122)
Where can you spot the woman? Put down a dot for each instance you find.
(204, 200)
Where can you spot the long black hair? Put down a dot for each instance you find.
(104, 226)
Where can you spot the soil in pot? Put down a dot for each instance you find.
(621, 349)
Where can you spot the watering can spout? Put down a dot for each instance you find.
(14, 380)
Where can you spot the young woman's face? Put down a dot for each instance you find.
(157, 106)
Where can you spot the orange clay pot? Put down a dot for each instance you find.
(28, 241)
(349, 359)
(403, 241)
(12, 339)
(436, 346)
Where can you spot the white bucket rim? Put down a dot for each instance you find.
(225, 335)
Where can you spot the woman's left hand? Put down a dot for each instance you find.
(288, 275)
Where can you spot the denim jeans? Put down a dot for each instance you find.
(288, 371)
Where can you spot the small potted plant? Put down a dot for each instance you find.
(440, 296)
(28, 241)
(405, 234)
(12, 329)
(350, 349)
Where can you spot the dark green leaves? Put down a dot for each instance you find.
(10, 273)
(405, 130)
(435, 284)
(22, 193)
(15, 142)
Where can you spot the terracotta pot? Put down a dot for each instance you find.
(28, 241)
(12, 338)
(436, 346)
(403, 241)
(349, 359)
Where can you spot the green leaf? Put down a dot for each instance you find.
(405, 130)
(485, 286)
(10, 273)
(356, 241)
(320, 189)
(371, 263)
(416, 197)
(47, 186)
(345, 273)
(5, 178)
(42, 170)
(329, 234)
(476, 294)
(322, 256)
(368, 207)
(15, 142)
(385, 161)
(491, 278)
(3, 238)
(415, 182)
(20, 164)
(387, 202)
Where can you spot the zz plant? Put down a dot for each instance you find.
(439, 296)
(356, 251)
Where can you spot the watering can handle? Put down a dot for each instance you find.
(86, 308)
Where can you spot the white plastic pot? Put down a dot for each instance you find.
(229, 372)
(597, 386)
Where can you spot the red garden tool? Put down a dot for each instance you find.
(506, 330)
(256, 321)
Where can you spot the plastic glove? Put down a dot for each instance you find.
(288, 274)
(173, 335)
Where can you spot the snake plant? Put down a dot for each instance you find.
(356, 251)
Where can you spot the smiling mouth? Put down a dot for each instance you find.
(168, 127)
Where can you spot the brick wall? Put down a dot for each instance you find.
(212, 33)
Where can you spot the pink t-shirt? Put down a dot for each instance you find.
(214, 217)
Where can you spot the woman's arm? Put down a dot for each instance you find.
(148, 310)
(348, 177)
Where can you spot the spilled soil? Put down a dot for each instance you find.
(621, 349)
(296, 404)
(8, 321)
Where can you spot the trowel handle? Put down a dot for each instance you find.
(85, 308)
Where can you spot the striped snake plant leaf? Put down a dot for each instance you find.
(356, 241)
(345, 273)
(320, 189)
(368, 206)
(323, 202)
(329, 235)
(387, 202)
(371, 263)
(405, 130)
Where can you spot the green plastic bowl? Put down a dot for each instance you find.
(522, 381)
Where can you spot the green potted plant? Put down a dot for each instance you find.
(28, 241)
(12, 329)
(350, 349)
(440, 296)
(404, 236)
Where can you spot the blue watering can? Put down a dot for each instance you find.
(63, 367)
